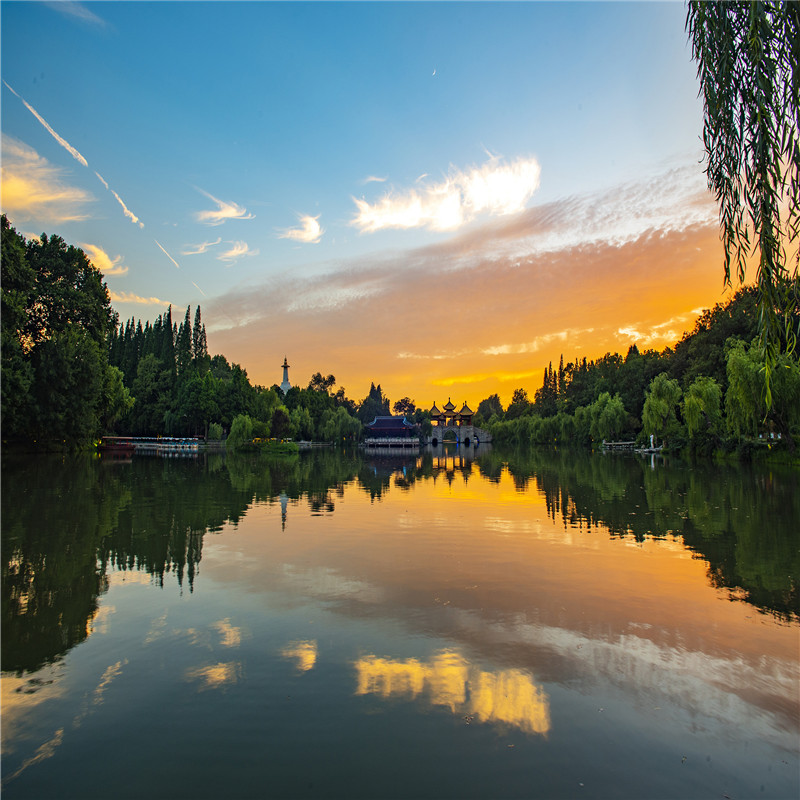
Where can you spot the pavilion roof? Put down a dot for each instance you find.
(390, 423)
(465, 412)
(449, 406)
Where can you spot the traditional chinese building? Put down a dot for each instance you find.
(459, 422)
(390, 432)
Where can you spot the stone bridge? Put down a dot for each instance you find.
(465, 434)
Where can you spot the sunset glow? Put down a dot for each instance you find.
(447, 225)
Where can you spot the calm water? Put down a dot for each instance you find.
(457, 624)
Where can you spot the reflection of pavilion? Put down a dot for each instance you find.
(457, 423)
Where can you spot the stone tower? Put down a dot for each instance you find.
(285, 385)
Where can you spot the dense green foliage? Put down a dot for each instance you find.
(57, 385)
(708, 393)
(181, 390)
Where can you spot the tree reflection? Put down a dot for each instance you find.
(67, 521)
(740, 518)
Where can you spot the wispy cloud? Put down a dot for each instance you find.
(423, 313)
(167, 254)
(129, 297)
(60, 139)
(128, 213)
(73, 151)
(236, 251)
(222, 213)
(197, 249)
(373, 179)
(77, 11)
(34, 189)
(660, 333)
(536, 344)
(309, 231)
(495, 188)
(103, 261)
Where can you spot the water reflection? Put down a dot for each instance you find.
(304, 654)
(69, 523)
(506, 696)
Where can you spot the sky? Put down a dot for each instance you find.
(442, 198)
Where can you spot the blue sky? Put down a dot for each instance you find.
(338, 182)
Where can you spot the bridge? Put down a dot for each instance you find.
(458, 423)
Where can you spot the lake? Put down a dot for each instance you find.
(450, 624)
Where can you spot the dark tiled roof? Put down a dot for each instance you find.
(390, 423)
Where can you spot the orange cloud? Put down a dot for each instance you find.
(486, 311)
(33, 189)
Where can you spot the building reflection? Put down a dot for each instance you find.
(507, 697)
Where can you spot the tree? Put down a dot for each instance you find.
(702, 406)
(661, 402)
(747, 64)
(280, 423)
(56, 316)
(117, 400)
(16, 290)
(320, 384)
(199, 343)
(373, 405)
(241, 432)
(490, 407)
(405, 406)
(519, 404)
(608, 417)
(183, 344)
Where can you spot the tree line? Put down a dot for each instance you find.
(708, 393)
(72, 371)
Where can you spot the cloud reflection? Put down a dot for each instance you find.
(304, 653)
(508, 696)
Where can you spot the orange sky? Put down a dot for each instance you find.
(485, 311)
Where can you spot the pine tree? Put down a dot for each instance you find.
(183, 344)
(199, 344)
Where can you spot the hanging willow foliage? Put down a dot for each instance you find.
(747, 64)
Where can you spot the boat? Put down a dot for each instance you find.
(116, 447)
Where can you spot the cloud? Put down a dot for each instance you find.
(309, 231)
(104, 262)
(197, 249)
(373, 179)
(33, 189)
(236, 251)
(128, 297)
(63, 142)
(537, 344)
(496, 189)
(77, 11)
(222, 213)
(167, 254)
(68, 147)
(128, 213)
(663, 333)
(493, 304)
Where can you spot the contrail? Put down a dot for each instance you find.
(167, 254)
(60, 139)
(128, 213)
